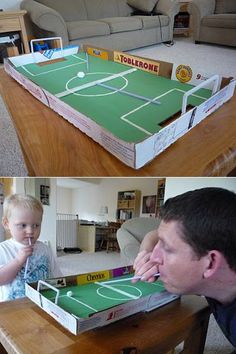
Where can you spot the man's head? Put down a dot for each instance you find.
(197, 241)
(22, 217)
(207, 218)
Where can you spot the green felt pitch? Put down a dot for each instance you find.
(90, 298)
(128, 118)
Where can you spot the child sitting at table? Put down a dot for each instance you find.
(22, 257)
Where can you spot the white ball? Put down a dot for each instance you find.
(81, 74)
(69, 293)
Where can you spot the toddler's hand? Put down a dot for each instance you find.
(24, 253)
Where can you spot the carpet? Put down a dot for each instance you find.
(204, 58)
(11, 158)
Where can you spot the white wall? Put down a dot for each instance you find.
(175, 186)
(10, 4)
(48, 229)
(87, 200)
(64, 200)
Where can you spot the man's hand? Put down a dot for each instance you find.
(144, 267)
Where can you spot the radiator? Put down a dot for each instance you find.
(67, 231)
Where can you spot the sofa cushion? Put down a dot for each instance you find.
(70, 10)
(122, 24)
(225, 7)
(84, 29)
(106, 8)
(146, 6)
(154, 21)
(220, 21)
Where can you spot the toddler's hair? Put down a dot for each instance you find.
(20, 200)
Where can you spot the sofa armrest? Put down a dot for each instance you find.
(129, 245)
(167, 7)
(199, 9)
(202, 8)
(46, 19)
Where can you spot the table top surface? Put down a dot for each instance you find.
(5, 14)
(25, 328)
(54, 147)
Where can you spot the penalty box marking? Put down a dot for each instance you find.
(82, 61)
(147, 103)
(80, 302)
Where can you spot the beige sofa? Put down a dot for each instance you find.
(113, 24)
(214, 21)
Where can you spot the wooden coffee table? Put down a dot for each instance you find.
(25, 328)
(53, 147)
(13, 21)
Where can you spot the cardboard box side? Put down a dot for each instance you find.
(78, 325)
(124, 151)
(64, 318)
(133, 155)
(150, 148)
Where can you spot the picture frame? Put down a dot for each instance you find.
(149, 204)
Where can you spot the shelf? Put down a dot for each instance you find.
(182, 20)
(161, 184)
(128, 204)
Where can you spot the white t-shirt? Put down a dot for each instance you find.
(41, 265)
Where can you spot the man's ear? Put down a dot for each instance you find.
(213, 262)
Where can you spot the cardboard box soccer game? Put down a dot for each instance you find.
(86, 301)
(134, 107)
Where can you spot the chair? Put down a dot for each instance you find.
(131, 234)
(214, 21)
(109, 239)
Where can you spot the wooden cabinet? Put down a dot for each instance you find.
(128, 204)
(90, 236)
(182, 20)
(13, 21)
(160, 194)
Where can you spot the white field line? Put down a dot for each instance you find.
(80, 302)
(93, 83)
(79, 88)
(147, 103)
(201, 97)
(52, 70)
(136, 277)
(117, 290)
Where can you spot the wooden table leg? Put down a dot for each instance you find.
(195, 343)
(12, 51)
(2, 349)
